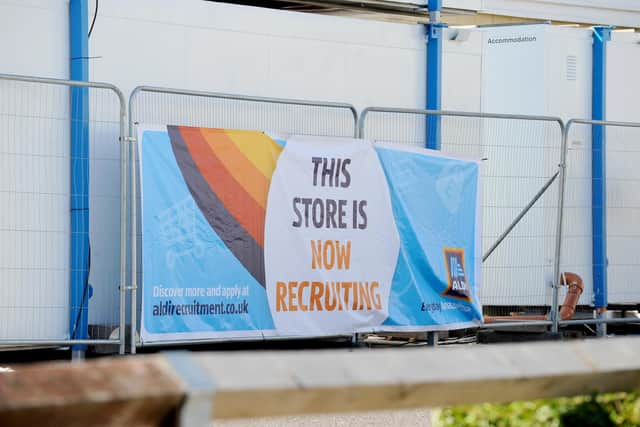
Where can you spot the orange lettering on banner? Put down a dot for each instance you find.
(329, 296)
(330, 306)
(316, 254)
(347, 288)
(378, 302)
(303, 285)
(281, 292)
(365, 296)
(317, 289)
(292, 296)
(355, 295)
(325, 254)
(344, 255)
(336, 289)
(328, 265)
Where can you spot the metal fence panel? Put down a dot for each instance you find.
(35, 197)
(622, 154)
(623, 213)
(520, 157)
(576, 228)
(163, 106)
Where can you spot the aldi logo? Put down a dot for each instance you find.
(458, 287)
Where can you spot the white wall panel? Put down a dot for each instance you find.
(35, 37)
(34, 172)
(226, 48)
(623, 176)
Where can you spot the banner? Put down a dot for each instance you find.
(248, 235)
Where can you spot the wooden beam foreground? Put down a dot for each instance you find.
(165, 389)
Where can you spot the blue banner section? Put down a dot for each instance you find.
(435, 210)
(191, 282)
(245, 236)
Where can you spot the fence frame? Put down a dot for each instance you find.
(120, 341)
(559, 175)
(600, 320)
(132, 138)
(127, 135)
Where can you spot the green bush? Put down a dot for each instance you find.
(603, 410)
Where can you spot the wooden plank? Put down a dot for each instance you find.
(148, 390)
(280, 383)
(106, 392)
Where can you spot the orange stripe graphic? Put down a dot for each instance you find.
(235, 199)
(237, 164)
(264, 158)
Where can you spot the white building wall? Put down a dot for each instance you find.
(568, 85)
(226, 48)
(462, 70)
(623, 173)
(623, 69)
(550, 74)
(513, 83)
(34, 172)
(35, 37)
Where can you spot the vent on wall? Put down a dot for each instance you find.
(571, 67)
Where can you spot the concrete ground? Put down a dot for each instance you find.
(410, 417)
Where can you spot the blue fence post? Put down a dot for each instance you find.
(79, 70)
(601, 35)
(434, 73)
(434, 91)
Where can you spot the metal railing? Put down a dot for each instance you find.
(35, 183)
(522, 171)
(536, 198)
(158, 105)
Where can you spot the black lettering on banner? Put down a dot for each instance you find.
(331, 213)
(342, 213)
(297, 222)
(196, 308)
(346, 174)
(327, 172)
(334, 172)
(354, 212)
(306, 202)
(363, 214)
(316, 162)
(318, 213)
